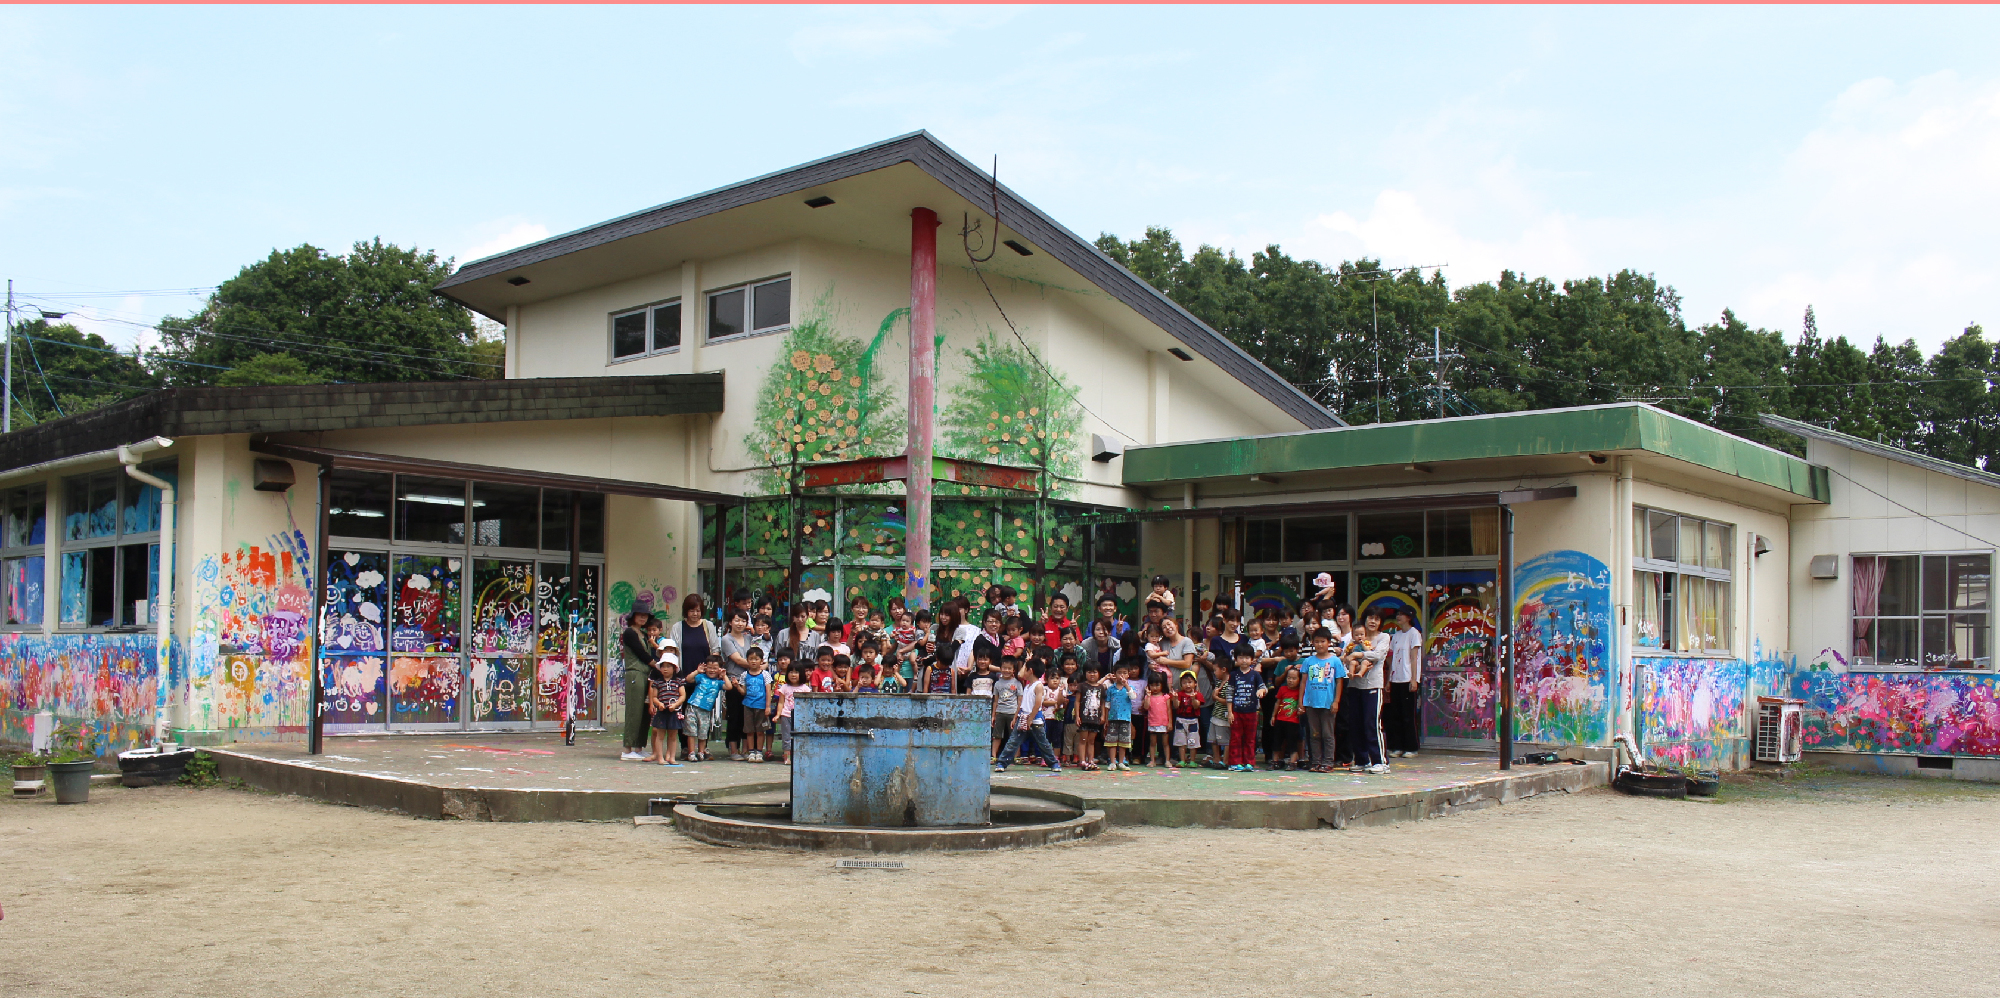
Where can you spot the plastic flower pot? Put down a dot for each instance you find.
(29, 780)
(71, 780)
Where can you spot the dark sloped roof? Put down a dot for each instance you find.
(179, 412)
(969, 182)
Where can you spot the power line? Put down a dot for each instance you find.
(117, 353)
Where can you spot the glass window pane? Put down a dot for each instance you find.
(1646, 629)
(1662, 527)
(141, 513)
(1715, 546)
(590, 510)
(1391, 535)
(1898, 589)
(1485, 533)
(134, 572)
(1118, 543)
(774, 305)
(1715, 617)
(359, 506)
(628, 335)
(75, 583)
(23, 579)
(430, 509)
(1261, 540)
(1893, 643)
(1970, 577)
(667, 326)
(1689, 544)
(1317, 538)
(1641, 539)
(725, 314)
(555, 520)
(503, 608)
(506, 516)
(1448, 532)
(427, 605)
(1968, 641)
(103, 592)
(27, 518)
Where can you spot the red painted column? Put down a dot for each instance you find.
(923, 385)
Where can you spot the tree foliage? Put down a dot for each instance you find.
(60, 371)
(304, 315)
(1361, 340)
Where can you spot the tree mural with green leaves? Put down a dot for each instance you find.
(1009, 408)
(822, 401)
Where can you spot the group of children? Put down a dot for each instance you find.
(1103, 694)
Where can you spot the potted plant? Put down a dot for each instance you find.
(69, 774)
(31, 771)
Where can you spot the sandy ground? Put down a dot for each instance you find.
(1827, 885)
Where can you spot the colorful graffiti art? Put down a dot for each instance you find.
(496, 691)
(99, 686)
(251, 638)
(1919, 713)
(503, 608)
(357, 591)
(354, 689)
(427, 605)
(1691, 709)
(423, 689)
(1562, 641)
(640, 595)
(1458, 689)
(1390, 591)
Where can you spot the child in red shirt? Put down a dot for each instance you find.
(1187, 720)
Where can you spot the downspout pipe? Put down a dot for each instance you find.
(130, 455)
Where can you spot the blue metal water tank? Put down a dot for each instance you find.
(889, 760)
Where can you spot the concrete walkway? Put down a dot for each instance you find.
(534, 777)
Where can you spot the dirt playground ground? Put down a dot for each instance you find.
(1819, 885)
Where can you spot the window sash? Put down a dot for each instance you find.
(643, 331)
(1931, 611)
(746, 304)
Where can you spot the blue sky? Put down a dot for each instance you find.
(1756, 159)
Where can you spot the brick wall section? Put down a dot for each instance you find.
(305, 408)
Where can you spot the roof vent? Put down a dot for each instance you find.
(1178, 352)
(517, 280)
(819, 202)
(1015, 245)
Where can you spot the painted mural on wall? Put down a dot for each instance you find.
(823, 401)
(555, 625)
(353, 634)
(101, 687)
(1458, 688)
(427, 605)
(1915, 713)
(503, 607)
(1007, 407)
(1562, 649)
(1691, 710)
(251, 640)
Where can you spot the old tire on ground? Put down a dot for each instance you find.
(1673, 786)
(1704, 784)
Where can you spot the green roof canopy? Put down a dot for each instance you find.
(1541, 433)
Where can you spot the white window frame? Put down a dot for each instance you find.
(650, 311)
(1874, 664)
(1674, 618)
(116, 542)
(38, 549)
(749, 289)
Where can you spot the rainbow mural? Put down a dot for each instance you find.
(1562, 649)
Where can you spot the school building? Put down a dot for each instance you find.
(703, 395)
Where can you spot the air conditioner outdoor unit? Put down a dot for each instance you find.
(1781, 729)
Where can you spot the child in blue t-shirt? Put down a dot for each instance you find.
(700, 711)
(756, 685)
(1246, 689)
(1118, 716)
(1325, 674)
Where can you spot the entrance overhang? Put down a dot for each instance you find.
(328, 457)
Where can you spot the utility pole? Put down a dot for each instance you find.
(1438, 357)
(1375, 317)
(7, 405)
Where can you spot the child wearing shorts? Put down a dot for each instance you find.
(1118, 717)
(699, 712)
(756, 702)
(664, 698)
(1187, 720)
(1159, 720)
(1090, 705)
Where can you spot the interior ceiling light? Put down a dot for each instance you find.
(517, 281)
(819, 202)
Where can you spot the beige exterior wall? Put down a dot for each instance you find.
(1909, 510)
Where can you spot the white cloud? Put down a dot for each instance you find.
(870, 33)
(518, 234)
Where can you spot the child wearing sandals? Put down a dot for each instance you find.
(665, 698)
(1090, 712)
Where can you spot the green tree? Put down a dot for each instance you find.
(61, 371)
(268, 369)
(370, 315)
(1960, 404)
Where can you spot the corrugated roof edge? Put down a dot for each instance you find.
(1886, 451)
(945, 165)
(1539, 432)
